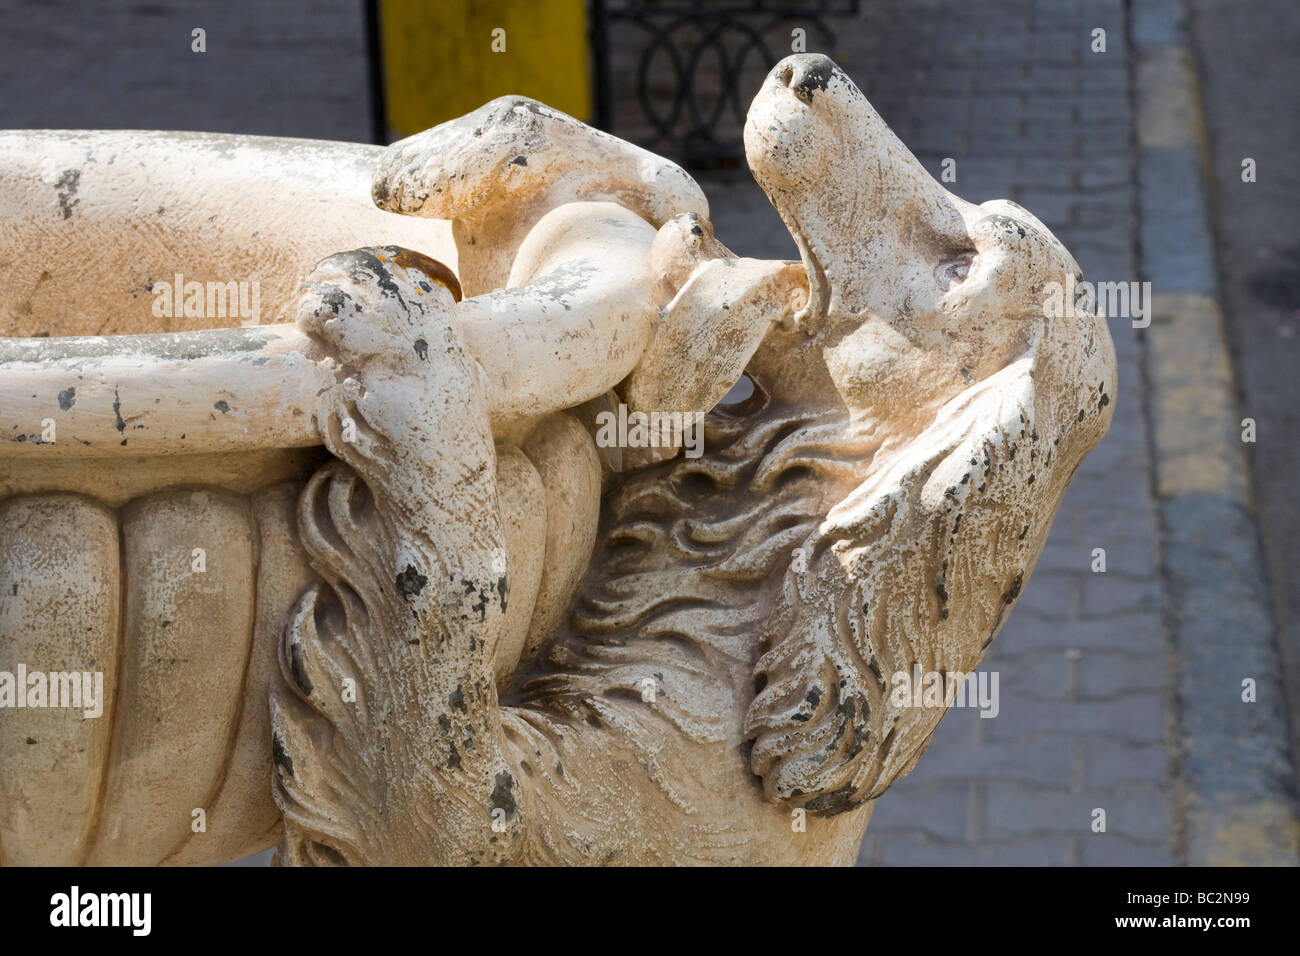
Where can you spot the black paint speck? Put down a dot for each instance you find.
(281, 758)
(502, 798)
(410, 582)
(67, 191)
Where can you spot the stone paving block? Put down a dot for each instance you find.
(1109, 763)
(1101, 520)
(1108, 849)
(1140, 812)
(1129, 447)
(1013, 810)
(994, 130)
(1135, 633)
(1051, 596)
(1135, 717)
(939, 811)
(1102, 215)
(1093, 532)
(1104, 109)
(1106, 72)
(1049, 78)
(1119, 479)
(1109, 595)
(1103, 140)
(1119, 197)
(1043, 674)
(1180, 252)
(904, 851)
(1043, 173)
(1106, 171)
(1127, 552)
(1060, 131)
(1060, 555)
(1122, 455)
(1051, 206)
(1104, 675)
(1043, 761)
(941, 111)
(1133, 555)
(1100, 258)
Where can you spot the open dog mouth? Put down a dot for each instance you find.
(779, 119)
(873, 228)
(819, 285)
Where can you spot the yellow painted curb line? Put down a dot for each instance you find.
(1197, 428)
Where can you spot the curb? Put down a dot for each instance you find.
(1235, 770)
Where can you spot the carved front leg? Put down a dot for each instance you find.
(386, 744)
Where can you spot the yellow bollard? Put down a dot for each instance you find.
(443, 59)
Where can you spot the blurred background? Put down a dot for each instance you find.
(1152, 668)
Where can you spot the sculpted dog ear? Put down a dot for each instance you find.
(918, 566)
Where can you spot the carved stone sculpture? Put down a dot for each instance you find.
(464, 630)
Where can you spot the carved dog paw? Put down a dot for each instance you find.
(378, 314)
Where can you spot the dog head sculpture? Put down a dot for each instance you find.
(926, 317)
(899, 269)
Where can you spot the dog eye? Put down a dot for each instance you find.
(953, 272)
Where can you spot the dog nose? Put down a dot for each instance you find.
(805, 73)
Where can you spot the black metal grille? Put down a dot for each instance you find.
(676, 76)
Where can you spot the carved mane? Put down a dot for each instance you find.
(687, 550)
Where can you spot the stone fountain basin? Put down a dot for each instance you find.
(149, 469)
(91, 223)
